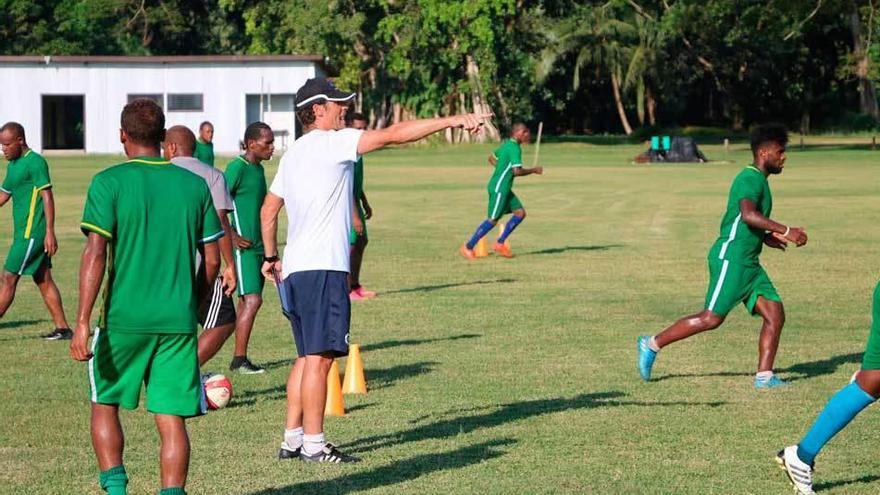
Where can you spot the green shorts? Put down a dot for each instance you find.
(26, 256)
(501, 203)
(167, 364)
(247, 265)
(871, 359)
(352, 236)
(733, 283)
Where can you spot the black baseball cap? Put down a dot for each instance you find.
(319, 90)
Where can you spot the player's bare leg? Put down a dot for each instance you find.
(313, 391)
(294, 395)
(688, 327)
(773, 314)
(107, 437)
(51, 296)
(244, 324)
(7, 291)
(174, 453)
(212, 340)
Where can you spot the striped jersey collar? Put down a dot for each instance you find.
(149, 160)
(21, 157)
(756, 169)
(245, 160)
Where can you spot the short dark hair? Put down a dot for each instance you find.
(143, 121)
(182, 137)
(768, 133)
(16, 129)
(518, 126)
(306, 115)
(254, 131)
(204, 124)
(352, 116)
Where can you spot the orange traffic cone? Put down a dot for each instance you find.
(354, 382)
(481, 250)
(334, 406)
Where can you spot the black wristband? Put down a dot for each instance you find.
(270, 259)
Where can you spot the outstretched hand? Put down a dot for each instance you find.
(473, 122)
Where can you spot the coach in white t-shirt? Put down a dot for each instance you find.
(314, 183)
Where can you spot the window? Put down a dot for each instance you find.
(189, 102)
(157, 98)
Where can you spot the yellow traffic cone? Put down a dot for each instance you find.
(334, 406)
(481, 250)
(354, 382)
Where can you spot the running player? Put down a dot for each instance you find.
(145, 220)
(361, 212)
(735, 275)
(216, 310)
(314, 183)
(247, 185)
(507, 160)
(33, 235)
(204, 150)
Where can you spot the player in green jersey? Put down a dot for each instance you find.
(28, 185)
(145, 221)
(507, 160)
(205, 144)
(735, 275)
(246, 180)
(361, 212)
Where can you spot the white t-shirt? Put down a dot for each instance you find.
(315, 179)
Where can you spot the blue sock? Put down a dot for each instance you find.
(482, 230)
(508, 229)
(840, 410)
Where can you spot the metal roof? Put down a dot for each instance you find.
(160, 59)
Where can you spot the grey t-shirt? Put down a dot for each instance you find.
(215, 179)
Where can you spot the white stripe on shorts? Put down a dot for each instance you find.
(214, 308)
(92, 365)
(27, 256)
(718, 285)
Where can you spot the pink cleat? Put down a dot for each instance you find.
(364, 293)
(355, 296)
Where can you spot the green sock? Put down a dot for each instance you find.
(114, 481)
(175, 490)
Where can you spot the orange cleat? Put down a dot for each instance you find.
(467, 253)
(502, 250)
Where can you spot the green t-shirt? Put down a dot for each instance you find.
(358, 181)
(247, 186)
(737, 242)
(509, 156)
(25, 178)
(155, 215)
(204, 152)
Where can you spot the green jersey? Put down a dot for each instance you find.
(358, 181)
(155, 215)
(738, 242)
(509, 156)
(247, 186)
(204, 152)
(25, 178)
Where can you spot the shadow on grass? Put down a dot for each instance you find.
(869, 478)
(432, 288)
(398, 471)
(18, 323)
(561, 250)
(388, 344)
(506, 413)
(802, 371)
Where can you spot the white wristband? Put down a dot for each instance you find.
(787, 230)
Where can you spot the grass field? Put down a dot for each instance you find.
(512, 376)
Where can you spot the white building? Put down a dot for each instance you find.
(74, 103)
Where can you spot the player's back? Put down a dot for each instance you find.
(156, 225)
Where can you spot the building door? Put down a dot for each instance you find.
(64, 122)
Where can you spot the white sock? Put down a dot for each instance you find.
(652, 344)
(312, 444)
(764, 375)
(293, 438)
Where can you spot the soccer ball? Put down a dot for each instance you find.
(218, 391)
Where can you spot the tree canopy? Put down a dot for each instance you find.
(580, 66)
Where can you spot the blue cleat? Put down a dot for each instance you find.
(772, 382)
(646, 357)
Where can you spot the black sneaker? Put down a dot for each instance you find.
(328, 454)
(58, 334)
(244, 366)
(287, 453)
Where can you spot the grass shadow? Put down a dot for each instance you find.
(279, 363)
(386, 377)
(19, 323)
(802, 371)
(399, 471)
(868, 478)
(506, 413)
(561, 250)
(388, 344)
(432, 288)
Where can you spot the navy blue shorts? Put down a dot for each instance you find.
(319, 310)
